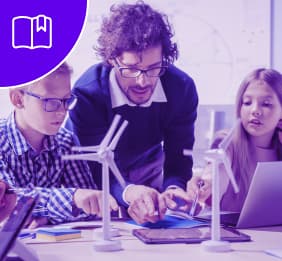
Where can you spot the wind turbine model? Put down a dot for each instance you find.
(104, 154)
(217, 156)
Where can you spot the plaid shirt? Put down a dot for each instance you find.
(55, 179)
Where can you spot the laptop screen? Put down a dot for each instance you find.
(15, 222)
(262, 206)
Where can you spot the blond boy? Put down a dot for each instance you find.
(31, 145)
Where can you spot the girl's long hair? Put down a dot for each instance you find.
(240, 149)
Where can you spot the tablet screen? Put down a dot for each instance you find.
(187, 235)
(15, 223)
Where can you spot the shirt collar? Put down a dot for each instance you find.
(18, 141)
(118, 98)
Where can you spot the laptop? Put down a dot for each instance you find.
(13, 226)
(262, 206)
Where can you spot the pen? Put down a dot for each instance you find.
(24, 235)
(29, 190)
(195, 201)
(14, 190)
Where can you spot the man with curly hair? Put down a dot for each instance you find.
(137, 80)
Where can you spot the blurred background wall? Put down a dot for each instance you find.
(219, 41)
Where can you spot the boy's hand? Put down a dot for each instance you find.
(37, 222)
(90, 201)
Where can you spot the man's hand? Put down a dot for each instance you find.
(145, 204)
(90, 201)
(203, 190)
(7, 201)
(177, 199)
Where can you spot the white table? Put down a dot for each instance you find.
(135, 250)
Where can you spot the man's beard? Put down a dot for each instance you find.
(133, 91)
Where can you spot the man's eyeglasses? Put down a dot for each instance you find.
(53, 104)
(131, 72)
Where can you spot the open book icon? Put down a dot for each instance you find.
(32, 32)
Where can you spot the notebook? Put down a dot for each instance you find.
(57, 234)
(262, 206)
(172, 219)
(15, 222)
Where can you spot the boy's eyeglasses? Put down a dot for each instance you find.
(53, 104)
(131, 72)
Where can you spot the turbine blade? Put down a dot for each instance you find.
(213, 152)
(105, 142)
(116, 171)
(86, 148)
(116, 138)
(87, 156)
(187, 152)
(229, 172)
(226, 141)
(194, 152)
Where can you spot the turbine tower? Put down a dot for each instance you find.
(104, 154)
(218, 156)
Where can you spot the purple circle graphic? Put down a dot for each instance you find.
(36, 36)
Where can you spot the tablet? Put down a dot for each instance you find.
(187, 235)
(15, 222)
